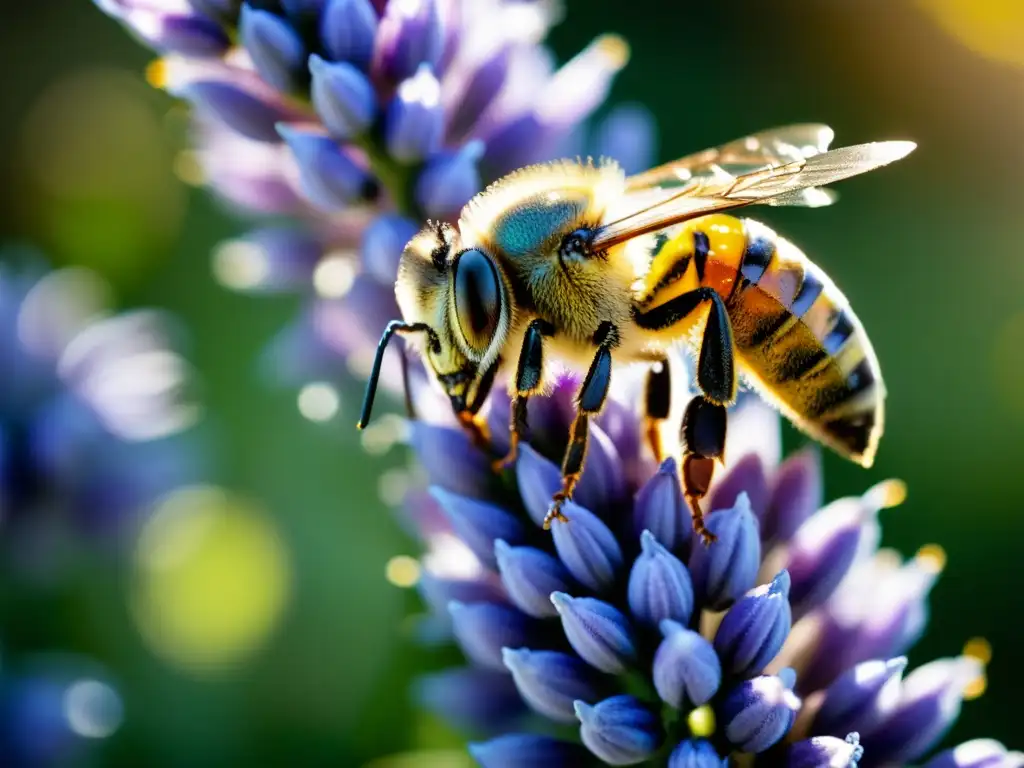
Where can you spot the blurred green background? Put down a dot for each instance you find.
(930, 252)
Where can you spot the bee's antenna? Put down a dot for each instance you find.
(395, 326)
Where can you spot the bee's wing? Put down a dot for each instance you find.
(776, 146)
(660, 208)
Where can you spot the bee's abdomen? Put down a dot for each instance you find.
(800, 342)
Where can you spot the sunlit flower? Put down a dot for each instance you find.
(783, 641)
(339, 113)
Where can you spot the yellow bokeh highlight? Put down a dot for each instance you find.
(211, 580)
(980, 649)
(701, 722)
(991, 28)
(425, 758)
(403, 571)
(932, 557)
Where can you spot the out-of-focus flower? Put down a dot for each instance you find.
(338, 111)
(95, 418)
(662, 650)
(93, 406)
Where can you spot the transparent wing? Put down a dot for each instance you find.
(776, 146)
(655, 209)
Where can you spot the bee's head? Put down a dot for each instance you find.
(455, 309)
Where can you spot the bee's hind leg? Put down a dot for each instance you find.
(529, 370)
(704, 422)
(657, 404)
(589, 401)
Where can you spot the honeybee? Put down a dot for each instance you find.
(575, 262)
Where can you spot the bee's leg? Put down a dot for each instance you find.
(657, 404)
(470, 421)
(704, 422)
(589, 401)
(528, 378)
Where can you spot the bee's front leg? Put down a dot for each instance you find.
(529, 371)
(589, 402)
(704, 422)
(469, 419)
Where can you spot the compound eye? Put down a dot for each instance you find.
(477, 299)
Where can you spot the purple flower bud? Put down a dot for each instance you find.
(929, 702)
(530, 577)
(550, 681)
(414, 118)
(196, 36)
(661, 509)
(619, 730)
(602, 485)
(597, 631)
(759, 712)
(223, 10)
(696, 753)
(627, 135)
(479, 91)
(450, 459)
(330, 180)
(438, 593)
(538, 480)
(978, 753)
(796, 494)
(248, 111)
(343, 97)
(410, 33)
(860, 697)
(274, 46)
(686, 667)
(752, 632)
(659, 585)
(474, 699)
(449, 180)
(383, 243)
(284, 258)
(745, 476)
(347, 29)
(587, 547)
(483, 629)
(825, 752)
(303, 9)
(518, 749)
(725, 570)
(478, 523)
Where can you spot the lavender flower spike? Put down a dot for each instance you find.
(587, 547)
(342, 96)
(275, 47)
(722, 573)
(530, 576)
(348, 28)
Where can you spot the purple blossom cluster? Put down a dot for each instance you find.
(94, 420)
(620, 639)
(359, 119)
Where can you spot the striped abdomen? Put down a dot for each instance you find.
(796, 338)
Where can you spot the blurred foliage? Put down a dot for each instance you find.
(929, 253)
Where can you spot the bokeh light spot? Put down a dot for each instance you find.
(240, 265)
(334, 275)
(319, 401)
(402, 571)
(212, 580)
(93, 709)
(991, 28)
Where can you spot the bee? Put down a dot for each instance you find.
(575, 262)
